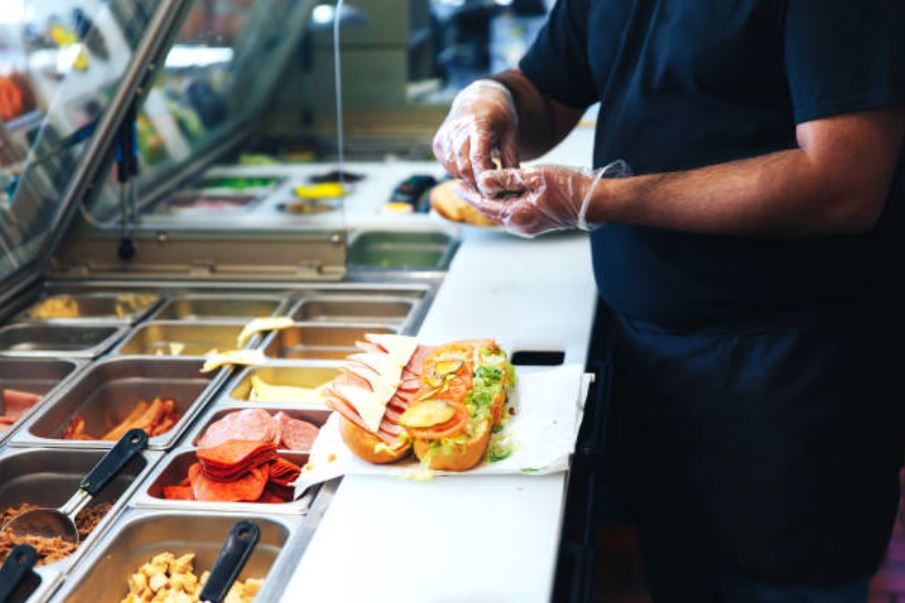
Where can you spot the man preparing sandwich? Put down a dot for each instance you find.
(752, 266)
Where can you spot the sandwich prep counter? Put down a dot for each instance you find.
(136, 240)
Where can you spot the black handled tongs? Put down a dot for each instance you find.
(15, 570)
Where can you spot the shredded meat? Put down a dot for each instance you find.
(49, 549)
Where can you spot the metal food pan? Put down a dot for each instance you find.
(319, 342)
(107, 392)
(309, 377)
(180, 338)
(351, 309)
(175, 468)
(35, 375)
(201, 202)
(49, 477)
(381, 290)
(388, 250)
(51, 340)
(106, 306)
(219, 307)
(139, 535)
(317, 416)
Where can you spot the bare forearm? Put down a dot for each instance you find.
(782, 195)
(836, 182)
(543, 122)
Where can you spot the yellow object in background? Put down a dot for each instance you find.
(215, 359)
(261, 391)
(81, 61)
(261, 325)
(324, 190)
(398, 207)
(62, 36)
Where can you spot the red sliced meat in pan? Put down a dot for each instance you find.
(296, 434)
(252, 424)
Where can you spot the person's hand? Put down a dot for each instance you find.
(535, 200)
(482, 123)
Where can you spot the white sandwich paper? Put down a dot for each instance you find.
(548, 405)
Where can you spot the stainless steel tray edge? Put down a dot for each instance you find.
(340, 350)
(79, 365)
(143, 500)
(283, 564)
(281, 309)
(119, 332)
(24, 438)
(128, 320)
(318, 414)
(54, 574)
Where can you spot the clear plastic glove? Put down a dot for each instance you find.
(535, 200)
(482, 124)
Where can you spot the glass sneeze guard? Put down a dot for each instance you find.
(61, 66)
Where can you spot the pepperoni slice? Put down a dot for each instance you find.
(284, 472)
(247, 488)
(178, 493)
(234, 456)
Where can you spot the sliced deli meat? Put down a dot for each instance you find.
(248, 424)
(233, 458)
(284, 472)
(247, 488)
(370, 379)
(294, 433)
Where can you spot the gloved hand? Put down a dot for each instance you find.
(482, 123)
(539, 199)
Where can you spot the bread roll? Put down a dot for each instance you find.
(368, 446)
(445, 202)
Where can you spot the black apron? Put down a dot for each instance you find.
(774, 448)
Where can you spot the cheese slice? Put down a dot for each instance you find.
(259, 325)
(370, 405)
(382, 364)
(261, 391)
(384, 383)
(399, 347)
(216, 360)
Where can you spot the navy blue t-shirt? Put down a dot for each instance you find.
(689, 83)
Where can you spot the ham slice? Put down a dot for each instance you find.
(389, 430)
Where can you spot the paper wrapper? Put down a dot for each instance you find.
(548, 403)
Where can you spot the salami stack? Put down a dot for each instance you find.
(237, 471)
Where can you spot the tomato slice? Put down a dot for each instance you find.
(449, 429)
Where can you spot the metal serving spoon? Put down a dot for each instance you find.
(236, 550)
(52, 523)
(15, 569)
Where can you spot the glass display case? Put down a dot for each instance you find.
(62, 65)
(140, 233)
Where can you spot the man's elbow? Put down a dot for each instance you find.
(858, 213)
